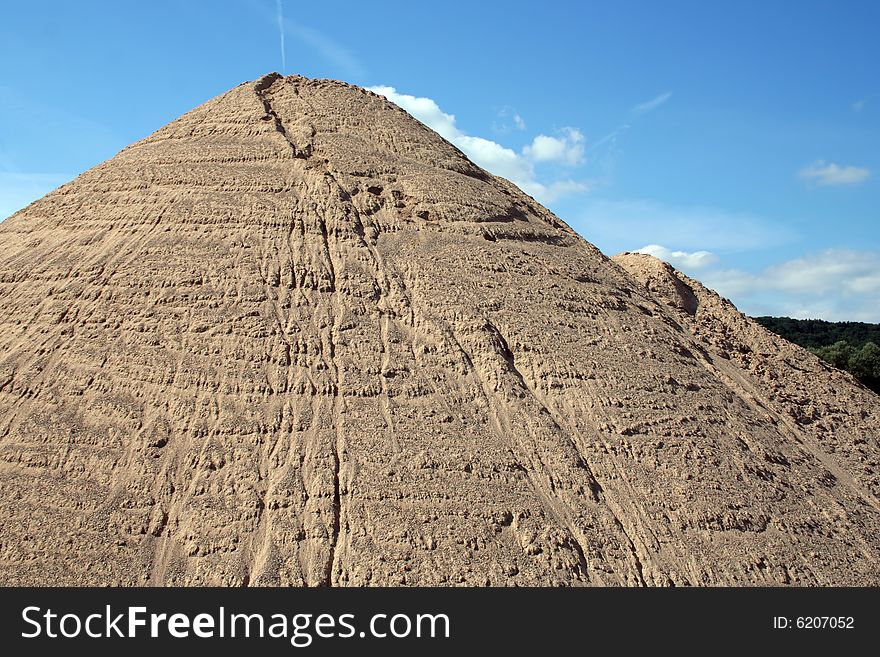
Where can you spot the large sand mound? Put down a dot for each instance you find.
(295, 337)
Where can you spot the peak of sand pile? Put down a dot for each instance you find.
(295, 337)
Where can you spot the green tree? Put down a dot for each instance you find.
(838, 354)
(865, 364)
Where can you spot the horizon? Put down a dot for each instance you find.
(736, 142)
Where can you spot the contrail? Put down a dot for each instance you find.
(280, 14)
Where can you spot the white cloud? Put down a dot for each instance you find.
(833, 174)
(496, 158)
(731, 283)
(652, 104)
(680, 259)
(425, 110)
(567, 148)
(859, 105)
(832, 270)
(518, 121)
(544, 148)
(519, 168)
(557, 189)
(17, 190)
(835, 284)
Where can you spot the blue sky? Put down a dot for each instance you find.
(738, 140)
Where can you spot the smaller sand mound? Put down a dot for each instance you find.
(800, 391)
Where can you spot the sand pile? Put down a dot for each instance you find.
(296, 338)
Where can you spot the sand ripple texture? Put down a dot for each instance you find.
(296, 338)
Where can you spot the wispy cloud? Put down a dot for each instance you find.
(606, 151)
(519, 168)
(279, 9)
(508, 114)
(652, 104)
(861, 103)
(827, 174)
(681, 259)
(336, 53)
(610, 138)
(345, 63)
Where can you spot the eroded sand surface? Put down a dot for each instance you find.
(296, 338)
